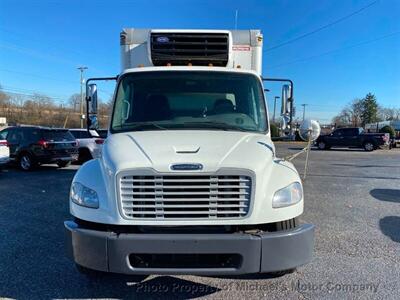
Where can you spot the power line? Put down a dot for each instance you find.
(11, 88)
(335, 50)
(322, 27)
(31, 52)
(51, 78)
(27, 92)
(54, 46)
(34, 53)
(31, 95)
(38, 76)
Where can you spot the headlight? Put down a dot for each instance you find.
(83, 196)
(287, 196)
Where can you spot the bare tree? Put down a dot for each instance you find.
(39, 109)
(355, 110)
(74, 101)
(388, 114)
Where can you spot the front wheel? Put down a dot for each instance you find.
(26, 162)
(369, 146)
(84, 155)
(322, 145)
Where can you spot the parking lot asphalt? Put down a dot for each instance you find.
(352, 196)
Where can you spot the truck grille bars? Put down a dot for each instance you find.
(198, 49)
(185, 196)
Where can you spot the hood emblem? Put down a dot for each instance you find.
(186, 167)
(162, 39)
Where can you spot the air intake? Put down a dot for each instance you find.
(183, 48)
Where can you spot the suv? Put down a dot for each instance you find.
(352, 138)
(34, 145)
(90, 144)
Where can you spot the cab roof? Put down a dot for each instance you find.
(189, 68)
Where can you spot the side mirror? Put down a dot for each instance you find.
(286, 97)
(91, 102)
(92, 98)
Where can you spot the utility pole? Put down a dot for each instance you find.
(82, 69)
(304, 110)
(273, 116)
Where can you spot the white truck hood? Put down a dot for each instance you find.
(213, 149)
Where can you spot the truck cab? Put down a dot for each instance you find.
(188, 181)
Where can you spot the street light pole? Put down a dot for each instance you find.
(273, 116)
(82, 69)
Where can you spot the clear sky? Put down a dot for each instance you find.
(42, 43)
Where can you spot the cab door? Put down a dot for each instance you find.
(336, 138)
(350, 137)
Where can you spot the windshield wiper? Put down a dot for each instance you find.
(216, 125)
(142, 126)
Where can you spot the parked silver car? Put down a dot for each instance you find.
(90, 143)
(4, 152)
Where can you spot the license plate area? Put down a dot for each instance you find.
(185, 261)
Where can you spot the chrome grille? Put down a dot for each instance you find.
(185, 196)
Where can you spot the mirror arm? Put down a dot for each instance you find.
(281, 80)
(291, 96)
(87, 98)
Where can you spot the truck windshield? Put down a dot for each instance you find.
(189, 100)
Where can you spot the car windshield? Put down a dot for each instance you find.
(189, 100)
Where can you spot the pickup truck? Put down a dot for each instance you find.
(352, 138)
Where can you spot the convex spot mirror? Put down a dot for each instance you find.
(309, 130)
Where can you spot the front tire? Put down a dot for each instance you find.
(369, 146)
(322, 145)
(84, 155)
(26, 162)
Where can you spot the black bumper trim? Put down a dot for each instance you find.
(266, 252)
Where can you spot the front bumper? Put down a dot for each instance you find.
(254, 253)
(47, 159)
(4, 161)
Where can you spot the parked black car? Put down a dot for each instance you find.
(352, 138)
(34, 145)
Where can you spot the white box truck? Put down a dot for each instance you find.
(188, 181)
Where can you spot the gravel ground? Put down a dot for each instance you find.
(353, 198)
